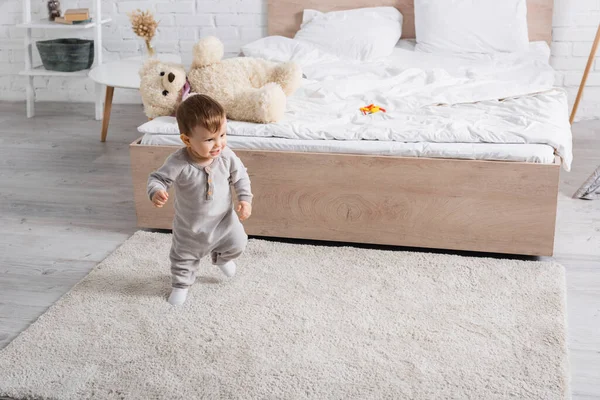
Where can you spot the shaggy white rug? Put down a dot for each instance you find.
(299, 322)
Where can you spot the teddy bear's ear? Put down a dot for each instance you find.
(207, 51)
(148, 65)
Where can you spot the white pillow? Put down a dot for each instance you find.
(471, 26)
(359, 34)
(272, 48)
(283, 49)
(160, 126)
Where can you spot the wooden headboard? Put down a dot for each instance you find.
(285, 16)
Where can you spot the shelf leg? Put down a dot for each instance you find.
(99, 93)
(27, 44)
(30, 97)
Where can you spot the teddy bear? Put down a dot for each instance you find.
(162, 87)
(249, 89)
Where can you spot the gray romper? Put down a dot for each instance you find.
(205, 221)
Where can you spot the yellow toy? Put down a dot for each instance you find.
(371, 109)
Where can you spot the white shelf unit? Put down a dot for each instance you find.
(31, 71)
(47, 24)
(41, 71)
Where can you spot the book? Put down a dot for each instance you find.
(61, 20)
(76, 14)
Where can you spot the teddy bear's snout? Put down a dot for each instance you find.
(172, 81)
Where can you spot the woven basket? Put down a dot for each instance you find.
(66, 55)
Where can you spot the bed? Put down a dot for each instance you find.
(473, 195)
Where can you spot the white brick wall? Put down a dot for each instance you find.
(575, 24)
(182, 23)
(236, 22)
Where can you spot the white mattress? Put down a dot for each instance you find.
(536, 153)
(487, 107)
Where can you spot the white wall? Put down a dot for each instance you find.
(574, 28)
(182, 22)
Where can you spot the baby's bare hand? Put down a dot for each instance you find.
(160, 198)
(244, 210)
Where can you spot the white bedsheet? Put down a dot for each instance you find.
(536, 153)
(476, 98)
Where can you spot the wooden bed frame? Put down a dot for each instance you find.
(488, 206)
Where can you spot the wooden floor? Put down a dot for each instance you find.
(66, 203)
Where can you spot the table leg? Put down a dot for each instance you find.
(107, 106)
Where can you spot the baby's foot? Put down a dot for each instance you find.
(178, 296)
(228, 268)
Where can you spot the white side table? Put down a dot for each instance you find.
(121, 74)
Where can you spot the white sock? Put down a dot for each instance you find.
(178, 296)
(228, 268)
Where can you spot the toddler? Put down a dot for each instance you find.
(202, 172)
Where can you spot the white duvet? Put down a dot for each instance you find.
(497, 98)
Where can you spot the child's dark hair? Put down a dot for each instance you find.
(199, 110)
